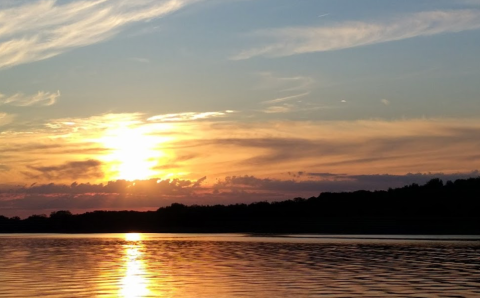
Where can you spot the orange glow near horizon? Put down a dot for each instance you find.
(131, 147)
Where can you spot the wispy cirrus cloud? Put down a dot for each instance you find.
(42, 98)
(188, 116)
(286, 98)
(140, 60)
(5, 118)
(288, 91)
(33, 31)
(385, 101)
(269, 80)
(298, 40)
(284, 104)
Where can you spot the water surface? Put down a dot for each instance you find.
(183, 265)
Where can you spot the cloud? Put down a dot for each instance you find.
(90, 169)
(42, 98)
(384, 181)
(331, 182)
(57, 148)
(286, 98)
(153, 193)
(217, 148)
(287, 90)
(139, 187)
(371, 146)
(385, 102)
(97, 123)
(244, 161)
(140, 60)
(113, 195)
(33, 31)
(298, 40)
(199, 182)
(189, 116)
(286, 108)
(272, 81)
(6, 118)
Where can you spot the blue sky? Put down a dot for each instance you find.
(183, 61)
(362, 87)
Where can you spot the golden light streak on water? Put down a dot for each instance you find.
(134, 284)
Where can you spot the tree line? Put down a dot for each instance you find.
(433, 208)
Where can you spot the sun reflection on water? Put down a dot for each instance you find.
(135, 282)
(133, 237)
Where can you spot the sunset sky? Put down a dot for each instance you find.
(135, 104)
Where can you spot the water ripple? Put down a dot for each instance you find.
(234, 266)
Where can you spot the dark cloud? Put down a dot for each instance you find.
(153, 193)
(199, 182)
(71, 170)
(30, 147)
(384, 181)
(140, 187)
(245, 184)
(360, 161)
(333, 182)
(322, 175)
(114, 195)
(88, 150)
(292, 187)
(80, 148)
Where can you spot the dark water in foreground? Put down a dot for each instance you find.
(176, 265)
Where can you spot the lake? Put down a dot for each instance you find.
(219, 265)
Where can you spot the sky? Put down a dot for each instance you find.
(136, 104)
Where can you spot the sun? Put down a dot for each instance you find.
(133, 237)
(134, 153)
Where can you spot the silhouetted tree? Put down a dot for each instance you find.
(432, 208)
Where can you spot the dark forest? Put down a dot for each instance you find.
(433, 208)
